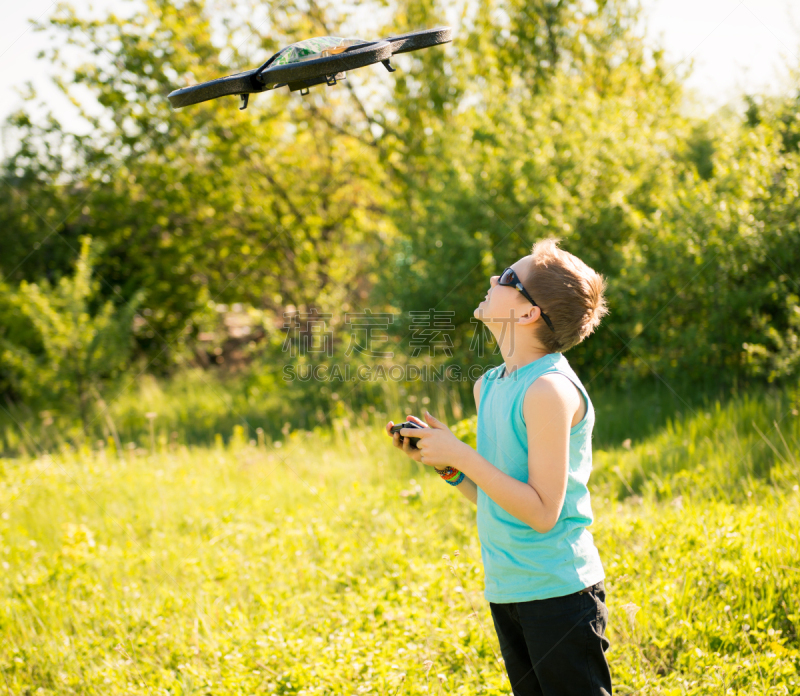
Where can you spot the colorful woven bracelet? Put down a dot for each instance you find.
(457, 480)
(452, 475)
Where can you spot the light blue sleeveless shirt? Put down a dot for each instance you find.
(521, 564)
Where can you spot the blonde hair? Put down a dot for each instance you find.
(568, 292)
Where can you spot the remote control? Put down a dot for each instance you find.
(407, 424)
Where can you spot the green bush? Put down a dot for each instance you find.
(75, 347)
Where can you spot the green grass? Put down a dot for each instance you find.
(327, 564)
(195, 407)
(198, 406)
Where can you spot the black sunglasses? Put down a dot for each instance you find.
(508, 277)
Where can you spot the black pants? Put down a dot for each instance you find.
(556, 646)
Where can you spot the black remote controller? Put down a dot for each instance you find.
(407, 424)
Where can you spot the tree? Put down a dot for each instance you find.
(270, 206)
(76, 346)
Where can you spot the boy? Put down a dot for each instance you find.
(543, 574)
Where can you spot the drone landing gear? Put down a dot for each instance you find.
(245, 98)
(388, 65)
(303, 85)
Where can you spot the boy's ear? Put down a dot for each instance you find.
(527, 317)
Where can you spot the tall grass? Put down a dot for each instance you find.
(199, 406)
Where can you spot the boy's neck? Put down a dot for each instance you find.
(521, 358)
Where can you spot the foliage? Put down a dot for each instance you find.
(197, 205)
(406, 192)
(693, 222)
(75, 349)
(713, 276)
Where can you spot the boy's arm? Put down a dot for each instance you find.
(548, 410)
(467, 486)
(549, 406)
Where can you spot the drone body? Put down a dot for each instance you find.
(308, 63)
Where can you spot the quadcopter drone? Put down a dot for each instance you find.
(311, 62)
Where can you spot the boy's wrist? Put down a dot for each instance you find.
(450, 472)
(462, 457)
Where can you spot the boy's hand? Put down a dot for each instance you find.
(437, 446)
(405, 445)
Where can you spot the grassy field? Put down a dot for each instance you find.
(328, 563)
